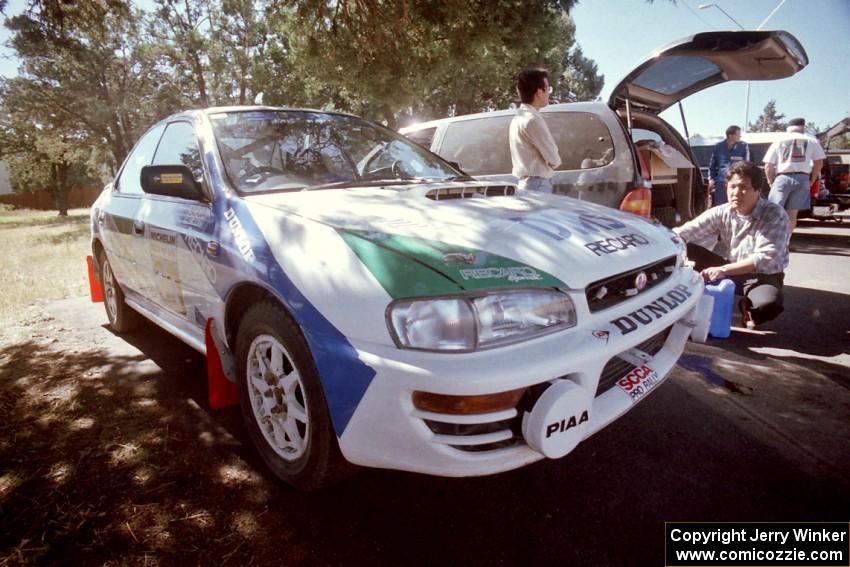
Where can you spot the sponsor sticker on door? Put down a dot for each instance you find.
(639, 382)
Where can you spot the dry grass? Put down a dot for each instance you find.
(43, 257)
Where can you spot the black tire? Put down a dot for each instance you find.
(121, 316)
(295, 437)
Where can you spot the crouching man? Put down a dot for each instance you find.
(753, 233)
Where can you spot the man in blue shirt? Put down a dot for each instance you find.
(725, 153)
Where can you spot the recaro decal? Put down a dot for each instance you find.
(657, 309)
(410, 267)
(616, 244)
(559, 224)
(512, 274)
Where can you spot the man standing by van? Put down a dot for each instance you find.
(792, 164)
(534, 153)
(725, 153)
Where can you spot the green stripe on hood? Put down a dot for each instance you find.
(414, 267)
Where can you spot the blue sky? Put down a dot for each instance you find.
(619, 34)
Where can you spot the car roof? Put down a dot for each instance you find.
(192, 112)
(694, 63)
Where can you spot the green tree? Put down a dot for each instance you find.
(41, 155)
(769, 121)
(392, 60)
(88, 68)
(87, 87)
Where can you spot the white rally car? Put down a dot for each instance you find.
(376, 306)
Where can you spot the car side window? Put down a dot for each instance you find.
(129, 180)
(178, 147)
(480, 146)
(583, 139)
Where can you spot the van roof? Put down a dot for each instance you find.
(554, 107)
(763, 137)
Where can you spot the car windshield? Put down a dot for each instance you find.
(296, 150)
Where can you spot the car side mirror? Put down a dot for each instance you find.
(172, 181)
(456, 165)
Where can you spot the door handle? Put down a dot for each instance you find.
(139, 227)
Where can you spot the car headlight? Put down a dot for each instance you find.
(468, 323)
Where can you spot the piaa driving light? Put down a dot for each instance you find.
(465, 324)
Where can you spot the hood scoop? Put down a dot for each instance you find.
(446, 193)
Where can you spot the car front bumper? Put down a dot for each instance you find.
(388, 431)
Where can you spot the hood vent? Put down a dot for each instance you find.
(447, 193)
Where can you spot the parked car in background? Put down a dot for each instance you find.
(596, 141)
(376, 306)
(838, 171)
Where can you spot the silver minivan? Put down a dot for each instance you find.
(599, 143)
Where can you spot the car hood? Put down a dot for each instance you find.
(706, 59)
(485, 241)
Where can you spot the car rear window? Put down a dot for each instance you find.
(672, 74)
(481, 145)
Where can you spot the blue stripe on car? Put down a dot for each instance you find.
(345, 378)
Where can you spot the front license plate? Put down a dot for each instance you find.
(639, 382)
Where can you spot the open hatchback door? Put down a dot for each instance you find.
(707, 59)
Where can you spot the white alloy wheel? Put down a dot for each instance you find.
(121, 317)
(277, 397)
(109, 290)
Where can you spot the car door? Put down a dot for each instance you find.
(122, 235)
(179, 238)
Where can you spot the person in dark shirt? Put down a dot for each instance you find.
(729, 151)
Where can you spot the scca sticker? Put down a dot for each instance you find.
(639, 382)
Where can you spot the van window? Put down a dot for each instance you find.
(422, 137)
(480, 146)
(584, 141)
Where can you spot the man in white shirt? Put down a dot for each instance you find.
(792, 164)
(534, 153)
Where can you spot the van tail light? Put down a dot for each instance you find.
(638, 201)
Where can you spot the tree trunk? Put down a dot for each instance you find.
(60, 188)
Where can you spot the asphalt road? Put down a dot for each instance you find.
(750, 428)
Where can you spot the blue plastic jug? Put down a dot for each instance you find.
(723, 293)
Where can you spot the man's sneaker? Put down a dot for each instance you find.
(746, 318)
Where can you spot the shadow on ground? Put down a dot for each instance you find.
(110, 459)
(822, 244)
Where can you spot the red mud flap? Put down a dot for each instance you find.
(222, 392)
(95, 289)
